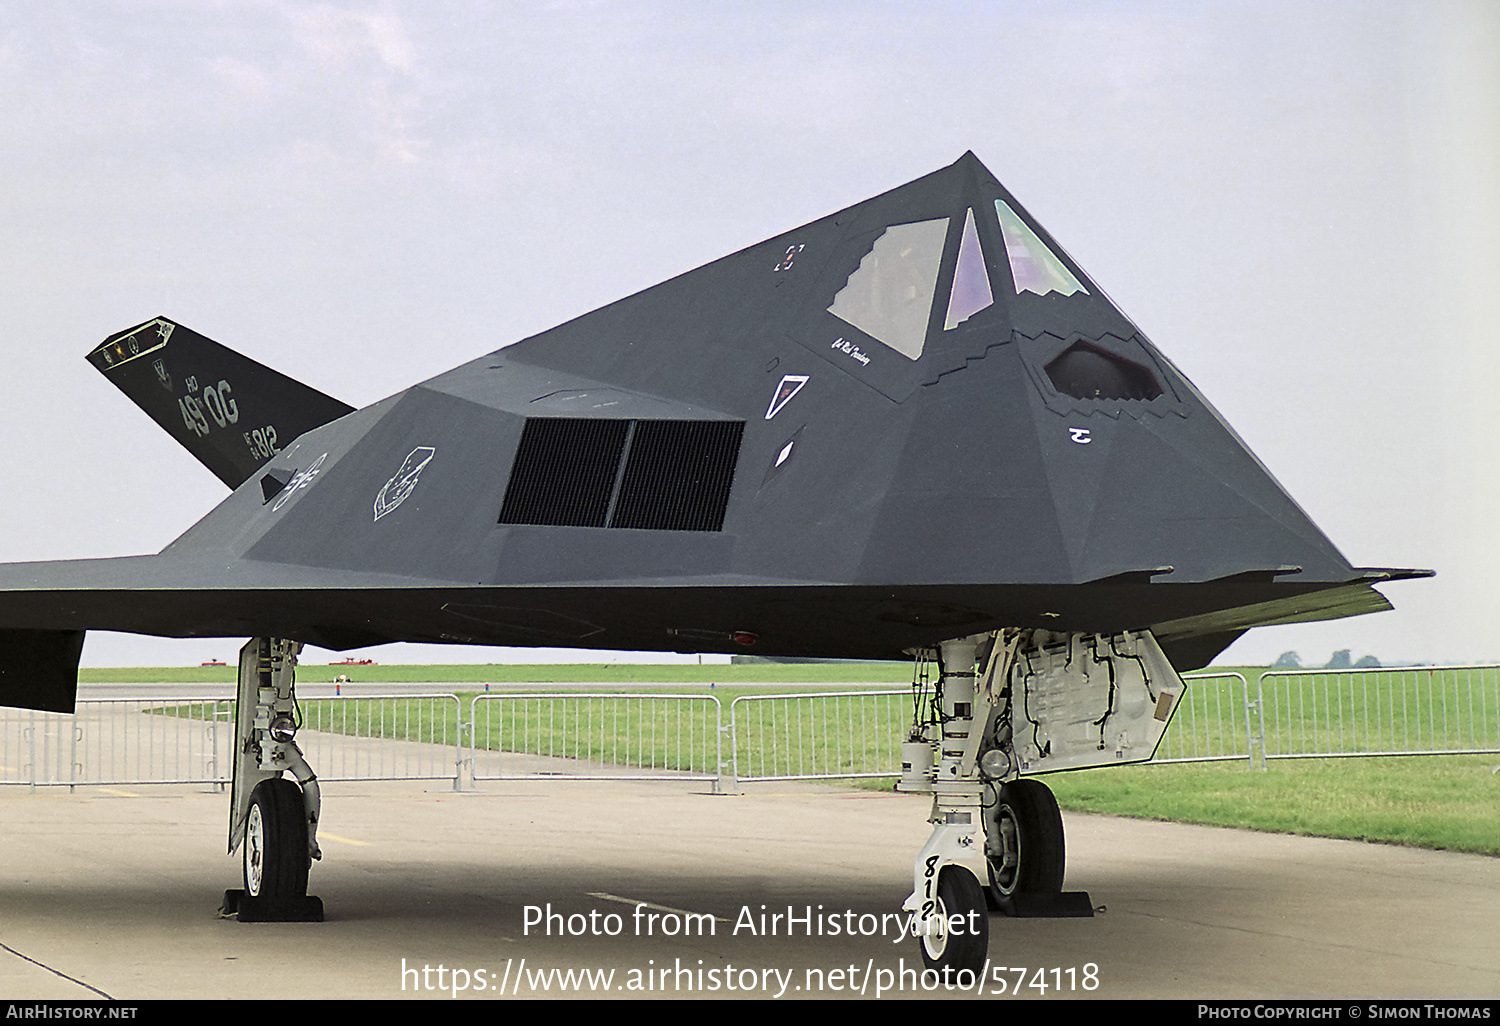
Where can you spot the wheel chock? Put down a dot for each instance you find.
(306, 909)
(1063, 905)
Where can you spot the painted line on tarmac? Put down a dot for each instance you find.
(603, 896)
(322, 835)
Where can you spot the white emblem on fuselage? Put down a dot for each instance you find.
(790, 385)
(396, 490)
(301, 479)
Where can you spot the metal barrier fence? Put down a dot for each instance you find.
(384, 737)
(1424, 710)
(114, 741)
(596, 736)
(807, 736)
(818, 735)
(119, 741)
(1214, 722)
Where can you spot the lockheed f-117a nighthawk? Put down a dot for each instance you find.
(914, 428)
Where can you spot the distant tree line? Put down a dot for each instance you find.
(1340, 661)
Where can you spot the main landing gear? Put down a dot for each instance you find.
(273, 821)
(1024, 848)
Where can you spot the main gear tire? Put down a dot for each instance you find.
(275, 858)
(1031, 857)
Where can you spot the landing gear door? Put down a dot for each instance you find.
(1081, 700)
(244, 723)
(249, 713)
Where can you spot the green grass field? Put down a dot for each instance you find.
(1435, 801)
(885, 674)
(1430, 801)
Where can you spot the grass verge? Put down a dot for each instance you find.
(1438, 801)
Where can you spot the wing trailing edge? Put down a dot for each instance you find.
(230, 412)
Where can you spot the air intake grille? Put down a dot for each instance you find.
(564, 472)
(660, 475)
(677, 475)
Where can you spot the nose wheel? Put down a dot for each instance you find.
(957, 936)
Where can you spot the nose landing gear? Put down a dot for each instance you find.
(997, 839)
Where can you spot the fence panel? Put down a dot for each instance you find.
(31, 745)
(1424, 710)
(596, 736)
(819, 735)
(1214, 722)
(384, 737)
(119, 741)
(190, 740)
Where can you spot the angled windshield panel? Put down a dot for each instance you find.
(1034, 266)
(889, 296)
(971, 282)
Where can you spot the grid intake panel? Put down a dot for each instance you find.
(661, 475)
(678, 474)
(564, 472)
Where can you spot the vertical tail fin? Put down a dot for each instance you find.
(230, 412)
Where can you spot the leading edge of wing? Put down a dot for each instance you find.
(198, 571)
(216, 595)
(197, 596)
(1353, 599)
(106, 594)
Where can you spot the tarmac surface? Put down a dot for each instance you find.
(113, 891)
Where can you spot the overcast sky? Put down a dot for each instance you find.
(1297, 202)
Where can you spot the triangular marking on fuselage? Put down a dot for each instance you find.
(789, 386)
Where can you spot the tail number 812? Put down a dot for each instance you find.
(262, 442)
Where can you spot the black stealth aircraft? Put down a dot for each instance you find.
(912, 422)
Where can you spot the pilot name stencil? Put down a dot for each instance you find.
(844, 346)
